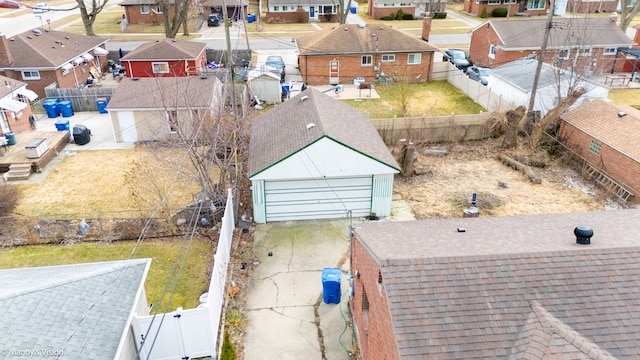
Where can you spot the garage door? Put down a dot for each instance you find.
(317, 199)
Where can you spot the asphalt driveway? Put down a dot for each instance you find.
(287, 317)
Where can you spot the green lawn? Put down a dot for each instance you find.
(193, 282)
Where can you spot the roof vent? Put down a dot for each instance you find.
(310, 126)
(37, 32)
(135, 78)
(304, 98)
(362, 25)
(583, 235)
(621, 114)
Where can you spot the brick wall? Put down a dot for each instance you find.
(582, 7)
(135, 17)
(375, 331)
(379, 12)
(315, 69)
(288, 17)
(617, 165)
(474, 8)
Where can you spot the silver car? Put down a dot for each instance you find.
(478, 74)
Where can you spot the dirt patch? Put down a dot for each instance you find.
(449, 181)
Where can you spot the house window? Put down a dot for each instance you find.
(158, 9)
(160, 67)
(594, 147)
(172, 119)
(326, 10)
(536, 4)
(366, 60)
(609, 51)
(31, 75)
(144, 9)
(388, 5)
(405, 4)
(509, 1)
(492, 52)
(563, 54)
(584, 52)
(493, 2)
(379, 280)
(388, 58)
(285, 8)
(414, 59)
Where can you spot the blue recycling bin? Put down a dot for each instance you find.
(251, 18)
(331, 278)
(11, 137)
(51, 107)
(354, 9)
(286, 88)
(65, 108)
(62, 125)
(102, 105)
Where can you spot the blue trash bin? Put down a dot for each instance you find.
(65, 108)
(51, 107)
(62, 125)
(354, 9)
(331, 278)
(251, 18)
(102, 105)
(11, 137)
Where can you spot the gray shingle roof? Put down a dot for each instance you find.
(166, 49)
(218, 3)
(142, 2)
(302, 2)
(282, 131)
(600, 120)
(14, 84)
(50, 49)
(165, 92)
(521, 73)
(480, 294)
(82, 309)
(351, 39)
(527, 34)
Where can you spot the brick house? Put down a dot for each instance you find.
(167, 57)
(573, 42)
(299, 11)
(380, 8)
(341, 54)
(146, 11)
(236, 9)
(512, 287)
(521, 7)
(44, 57)
(15, 105)
(586, 6)
(605, 136)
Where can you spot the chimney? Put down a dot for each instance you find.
(583, 235)
(426, 28)
(5, 55)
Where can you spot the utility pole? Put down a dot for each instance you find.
(543, 49)
(229, 56)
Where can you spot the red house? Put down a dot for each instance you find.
(166, 58)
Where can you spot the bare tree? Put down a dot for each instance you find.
(343, 9)
(180, 15)
(432, 6)
(628, 10)
(89, 14)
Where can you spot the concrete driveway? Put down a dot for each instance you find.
(287, 317)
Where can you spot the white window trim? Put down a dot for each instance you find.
(370, 57)
(143, 11)
(493, 2)
(609, 53)
(37, 77)
(564, 57)
(492, 51)
(390, 57)
(417, 56)
(153, 67)
(584, 52)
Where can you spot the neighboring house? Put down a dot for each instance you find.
(582, 43)
(606, 136)
(512, 287)
(236, 9)
(41, 58)
(15, 105)
(146, 11)
(146, 109)
(313, 157)
(380, 8)
(514, 83)
(167, 57)
(342, 54)
(299, 11)
(587, 6)
(79, 311)
(265, 84)
(514, 7)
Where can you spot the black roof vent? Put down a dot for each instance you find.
(583, 235)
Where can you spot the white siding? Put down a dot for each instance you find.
(257, 190)
(381, 194)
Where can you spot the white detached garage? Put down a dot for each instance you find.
(314, 157)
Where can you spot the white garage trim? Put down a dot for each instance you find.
(317, 198)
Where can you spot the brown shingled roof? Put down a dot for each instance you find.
(166, 49)
(473, 294)
(282, 131)
(13, 85)
(527, 34)
(50, 49)
(354, 39)
(600, 119)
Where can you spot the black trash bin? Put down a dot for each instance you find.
(81, 134)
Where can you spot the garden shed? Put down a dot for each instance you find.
(313, 157)
(265, 84)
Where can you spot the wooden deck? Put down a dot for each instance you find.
(17, 154)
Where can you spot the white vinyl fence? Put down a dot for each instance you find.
(191, 333)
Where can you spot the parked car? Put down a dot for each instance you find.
(457, 57)
(214, 20)
(41, 7)
(478, 74)
(276, 62)
(9, 4)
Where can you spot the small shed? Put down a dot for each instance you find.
(314, 157)
(265, 84)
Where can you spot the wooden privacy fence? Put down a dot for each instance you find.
(433, 129)
(81, 99)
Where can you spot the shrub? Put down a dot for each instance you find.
(399, 14)
(9, 195)
(392, 16)
(439, 15)
(386, 18)
(407, 17)
(228, 351)
(484, 13)
(499, 12)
